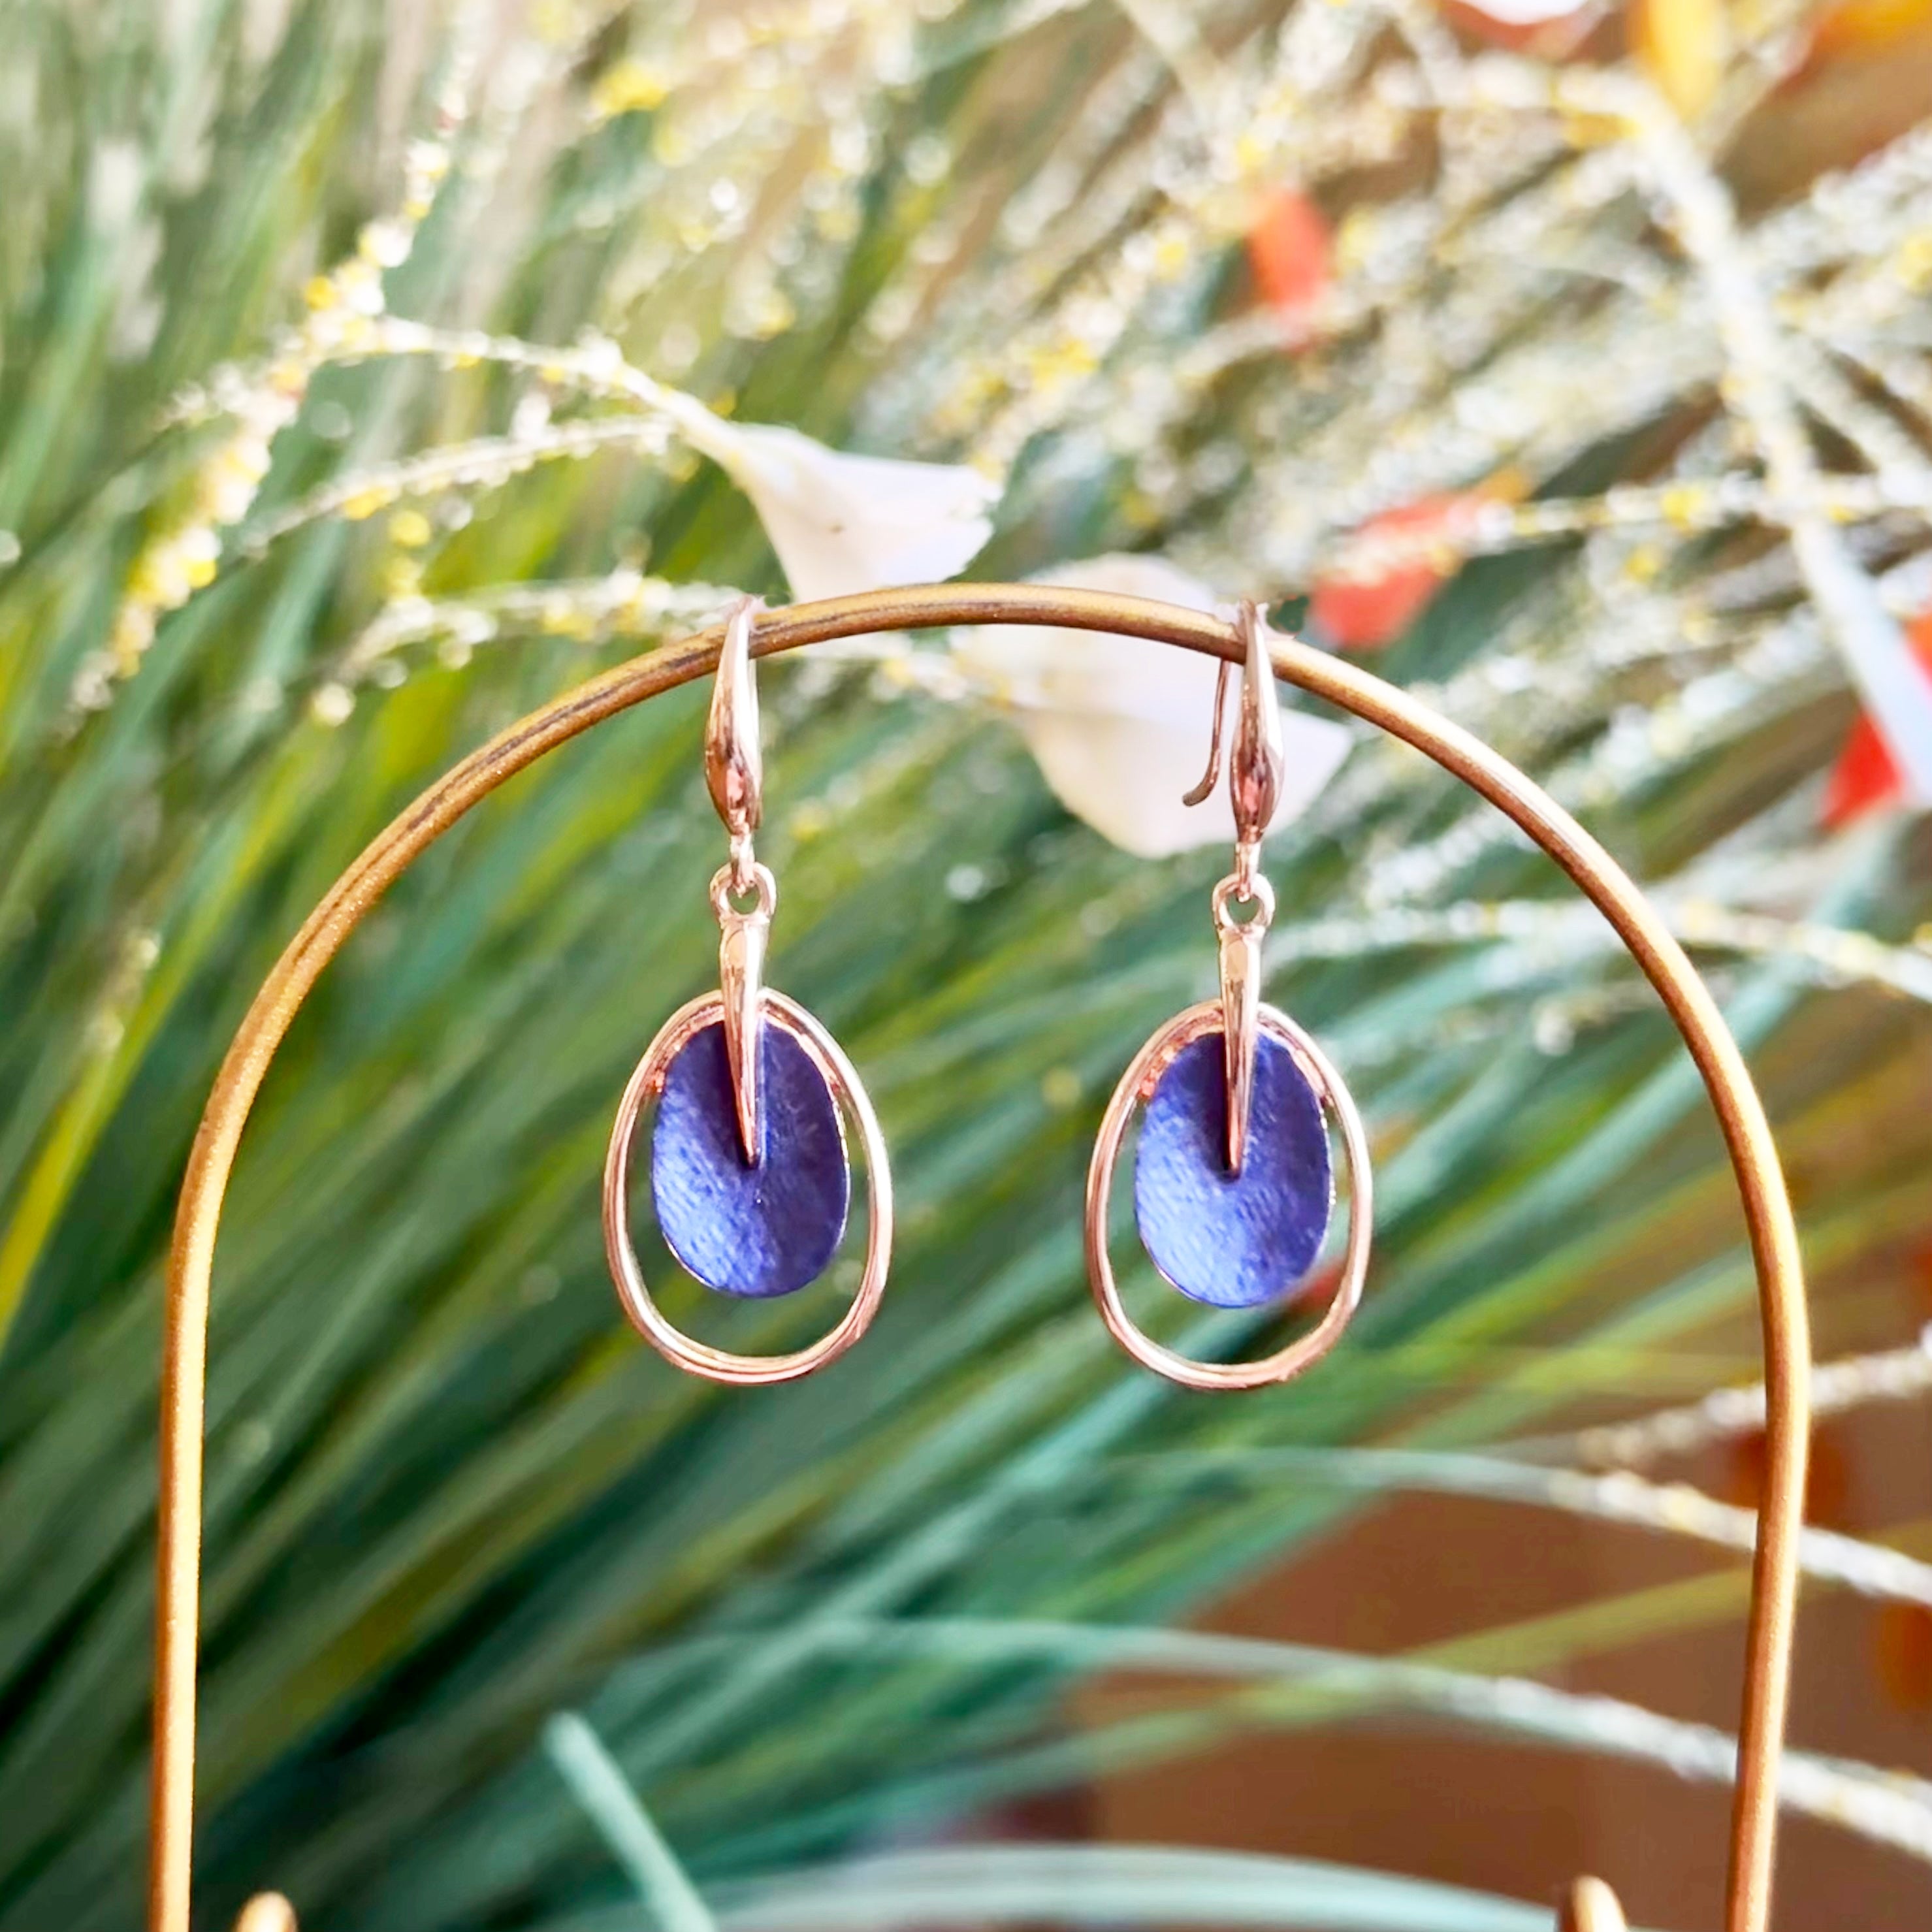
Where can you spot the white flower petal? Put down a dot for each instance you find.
(1527, 12)
(1035, 667)
(1120, 726)
(841, 523)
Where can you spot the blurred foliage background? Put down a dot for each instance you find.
(1578, 365)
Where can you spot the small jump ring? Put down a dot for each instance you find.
(725, 882)
(1257, 891)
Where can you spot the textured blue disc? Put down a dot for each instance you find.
(1235, 1242)
(744, 1230)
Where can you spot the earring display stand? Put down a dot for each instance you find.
(1740, 1113)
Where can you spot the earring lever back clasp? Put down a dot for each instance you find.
(1255, 770)
(734, 769)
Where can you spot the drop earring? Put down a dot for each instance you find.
(750, 1181)
(1233, 1180)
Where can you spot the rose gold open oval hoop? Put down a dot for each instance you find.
(1136, 1087)
(848, 1091)
(1740, 1114)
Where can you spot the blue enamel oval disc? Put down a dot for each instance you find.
(744, 1230)
(1235, 1242)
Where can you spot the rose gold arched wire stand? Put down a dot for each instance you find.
(1740, 1114)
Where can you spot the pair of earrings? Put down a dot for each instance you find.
(751, 1179)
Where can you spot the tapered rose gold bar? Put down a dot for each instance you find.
(1740, 1114)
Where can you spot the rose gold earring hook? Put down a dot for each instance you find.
(1257, 747)
(734, 771)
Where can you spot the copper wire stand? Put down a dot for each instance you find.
(1740, 1114)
